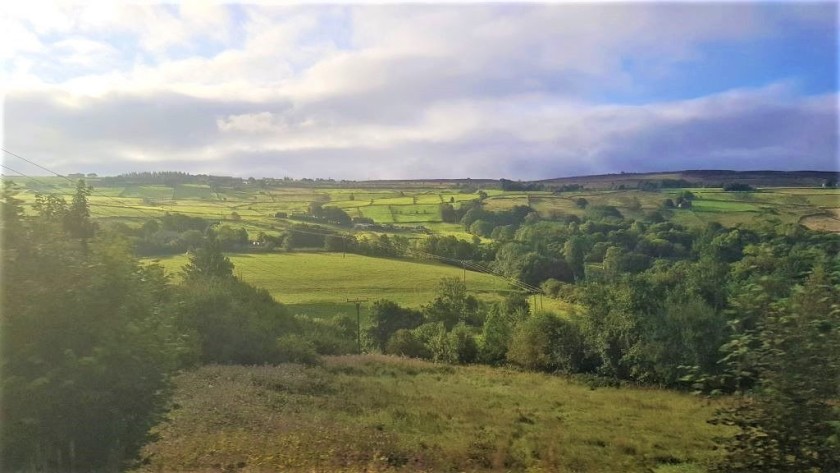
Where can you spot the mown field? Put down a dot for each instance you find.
(379, 413)
(319, 284)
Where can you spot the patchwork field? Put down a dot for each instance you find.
(410, 206)
(378, 413)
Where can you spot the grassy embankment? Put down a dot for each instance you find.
(377, 413)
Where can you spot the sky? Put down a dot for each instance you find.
(411, 91)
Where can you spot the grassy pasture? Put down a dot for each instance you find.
(420, 205)
(193, 191)
(379, 413)
(149, 192)
(728, 210)
(703, 205)
(318, 284)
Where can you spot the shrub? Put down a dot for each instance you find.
(546, 342)
(464, 348)
(387, 317)
(405, 343)
(295, 348)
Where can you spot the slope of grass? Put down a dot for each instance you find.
(319, 284)
(378, 413)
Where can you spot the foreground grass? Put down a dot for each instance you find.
(377, 413)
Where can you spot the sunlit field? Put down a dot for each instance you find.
(319, 284)
(255, 207)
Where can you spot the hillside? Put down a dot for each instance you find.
(319, 284)
(702, 178)
(378, 413)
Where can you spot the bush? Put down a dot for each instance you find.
(406, 343)
(295, 348)
(335, 336)
(464, 347)
(434, 338)
(386, 318)
(231, 321)
(546, 342)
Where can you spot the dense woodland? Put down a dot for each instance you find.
(90, 337)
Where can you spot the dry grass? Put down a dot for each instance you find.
(379, 413)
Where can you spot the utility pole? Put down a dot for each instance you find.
(464, 265)
(358, 303)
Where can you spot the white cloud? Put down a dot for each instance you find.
(483, 90)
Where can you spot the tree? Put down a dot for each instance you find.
(11, 213)
(387, 317)
(77, 222)
(452, 305)
(546, 342)
(574, 253)
(208, 261)
(50, 207)
(229, 321)
(405, 343)
(86, 353)
(464, 347)
(787, 423)
(481, 228)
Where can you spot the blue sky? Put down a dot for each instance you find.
(484, 90)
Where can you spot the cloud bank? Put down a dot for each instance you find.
(364, 92)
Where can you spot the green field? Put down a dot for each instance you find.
(410, 206)
(319, 284)
(378, 413)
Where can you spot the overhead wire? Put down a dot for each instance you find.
(472, 266)
(42, 183)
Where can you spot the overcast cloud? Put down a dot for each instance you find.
(397, 91)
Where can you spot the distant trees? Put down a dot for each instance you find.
(508, 185)
(738, 187)
(334, 215)
(451, 247)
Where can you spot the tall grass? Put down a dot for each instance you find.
(379, 413)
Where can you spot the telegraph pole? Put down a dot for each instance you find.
(358, 303)
(464, 265)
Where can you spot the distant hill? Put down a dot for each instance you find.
(689, 178)
(700, 178)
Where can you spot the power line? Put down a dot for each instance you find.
(60, 175)
(463, 263)
(39, 182)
